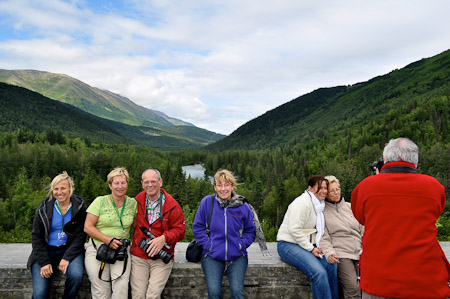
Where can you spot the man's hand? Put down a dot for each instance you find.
(156, 245)
(63, 266)
(46, 271)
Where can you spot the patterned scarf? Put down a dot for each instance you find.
(237, 200)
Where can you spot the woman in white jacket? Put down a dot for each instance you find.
(299, 239)
(342, 239)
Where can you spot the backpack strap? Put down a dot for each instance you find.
(210, 215)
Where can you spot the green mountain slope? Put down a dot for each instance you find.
(25, 109)
(397, 101)
(149, 127)
(21, 108)
(102, 103)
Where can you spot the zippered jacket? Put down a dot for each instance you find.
(299, 223)
(173, 224)
(76, 237)
(232, 229)
(343, 233)
(401, 255)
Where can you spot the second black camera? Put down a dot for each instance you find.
(143, 244)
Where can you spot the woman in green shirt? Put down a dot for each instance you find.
(108, 221)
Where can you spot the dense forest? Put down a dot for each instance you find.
(338, 130)
(270, 179)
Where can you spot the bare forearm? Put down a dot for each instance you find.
(94, 233)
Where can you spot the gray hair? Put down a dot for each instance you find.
(401, 148)
(332, 179)
(155, 170)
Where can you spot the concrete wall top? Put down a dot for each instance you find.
(15, 255)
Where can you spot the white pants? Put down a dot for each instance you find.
(117, 289)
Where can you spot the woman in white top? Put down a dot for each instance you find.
(299, 239)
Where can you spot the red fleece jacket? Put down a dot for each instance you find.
(173, 224)
(401, 256)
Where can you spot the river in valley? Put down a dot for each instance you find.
(196, 171)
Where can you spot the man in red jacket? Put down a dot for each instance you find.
(399, 207)
(161, 215)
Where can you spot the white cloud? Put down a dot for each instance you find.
(219, 63)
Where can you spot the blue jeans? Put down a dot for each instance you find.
(323, 275)
(214, 271)
(74, 276)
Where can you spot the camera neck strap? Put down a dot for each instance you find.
(400, 169)
(103, 264)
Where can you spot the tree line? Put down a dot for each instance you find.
(269, 179)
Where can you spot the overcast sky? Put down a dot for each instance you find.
(220, 63)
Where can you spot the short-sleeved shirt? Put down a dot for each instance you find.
(108, 221)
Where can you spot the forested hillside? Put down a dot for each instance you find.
(25, 109)
(102, 103)
(391, 103)
(341, 131)
(145, 126)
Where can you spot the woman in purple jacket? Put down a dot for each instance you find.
(231, 232)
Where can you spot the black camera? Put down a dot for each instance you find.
(121, 252)
(376, 165)
(110, 256)
(143, 244)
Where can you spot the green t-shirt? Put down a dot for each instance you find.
(108, 221)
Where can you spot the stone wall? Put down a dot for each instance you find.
(266, 277)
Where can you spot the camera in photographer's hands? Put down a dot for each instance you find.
(376, 166)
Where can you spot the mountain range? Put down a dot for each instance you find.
(412, 101)
(145, 126)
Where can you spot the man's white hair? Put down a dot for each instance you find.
(401, 148)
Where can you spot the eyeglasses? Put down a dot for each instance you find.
(337, 190)
(226, 186)
(150, 182)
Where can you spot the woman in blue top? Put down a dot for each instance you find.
(232, 231)
(58, 239)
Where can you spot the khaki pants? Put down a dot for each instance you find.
(368, 296)
(118, 289)
(347, 276)
(148, 277)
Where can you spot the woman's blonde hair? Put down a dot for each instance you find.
(225, 175)
(59, 178)
(332, 179)
(116, 172)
